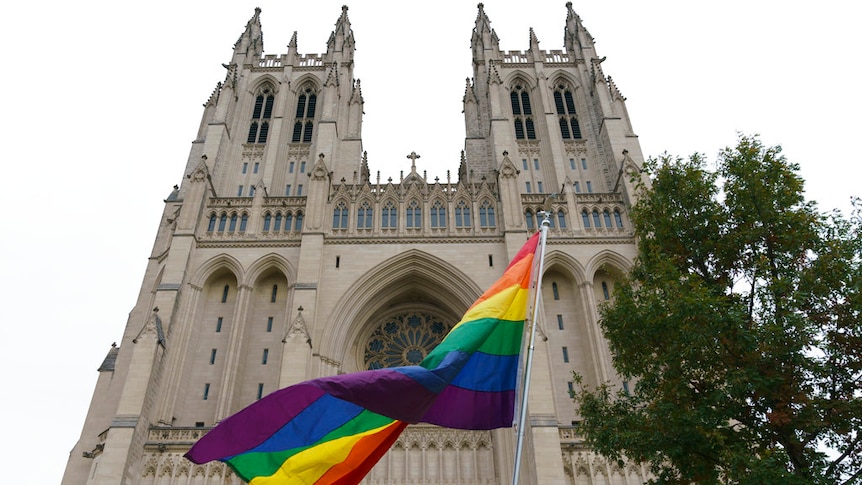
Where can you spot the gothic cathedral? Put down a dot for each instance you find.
(280, 258)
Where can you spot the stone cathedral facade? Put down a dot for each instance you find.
(281, 258)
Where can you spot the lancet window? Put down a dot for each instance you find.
(522, 113)
(462, 214)
(438, 214)
(339, 216)
(486, 215)
(414, 215)
(565, 104)
(260, 117)
(306, 105)
(364, 216)
(389, 218)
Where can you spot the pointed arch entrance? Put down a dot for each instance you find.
(405, 304)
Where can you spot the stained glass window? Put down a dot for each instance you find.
(404, 339)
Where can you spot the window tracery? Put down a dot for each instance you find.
(259, 128)
(404, 339)
(364, 216)
(486, 215)
(414, 215)
(389, 216)
(339, 216)
(522, 113)
(462, 214)
(438, 215)
(568, 117)
(306, 105)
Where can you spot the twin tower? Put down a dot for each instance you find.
(280, 258)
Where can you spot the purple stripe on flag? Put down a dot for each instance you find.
(255, 424)
(383, 391)
(466, 409)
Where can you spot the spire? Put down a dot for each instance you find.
(292, 48)
(341, 39)
(484, 37)
(535, 53)
(534, 41)
(249, 46)
(576, 37)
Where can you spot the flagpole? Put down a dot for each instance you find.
(519, 447)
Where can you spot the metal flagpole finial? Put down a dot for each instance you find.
(546, 218)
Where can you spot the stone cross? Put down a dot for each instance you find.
(413, 156)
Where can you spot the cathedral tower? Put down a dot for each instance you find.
(278, 259)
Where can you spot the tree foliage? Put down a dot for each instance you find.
(739, 326)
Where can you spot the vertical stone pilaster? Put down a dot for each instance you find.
(228, 383)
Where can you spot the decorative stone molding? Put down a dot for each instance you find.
(298, 327)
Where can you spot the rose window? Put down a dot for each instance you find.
(404, 339)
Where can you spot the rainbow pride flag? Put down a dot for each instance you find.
(332, 430)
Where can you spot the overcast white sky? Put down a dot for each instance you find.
(102, 100)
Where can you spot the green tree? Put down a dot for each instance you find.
(739, 326)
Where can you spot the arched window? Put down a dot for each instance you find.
(586, 217)
(243, 223)
(522, 113)
(486, 215)
(556, 290)
(339, 216)
(596, 221)
(462, 214)
(274, 293)
(605, 292)
(438, 215)
(565, 104)
(252, 132)
(364, 216)
(607, 217)
(267, 221)
(277, 226)
(232, 226)
(414, 214)
(298, 225)
(618, 218)
(531, 224)
(259, 128)
(211, 226)
(551, 219)
(561, 217)
(389, 218)
(224, 293)
(288, 221)
(222, 222)
(305, 108)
